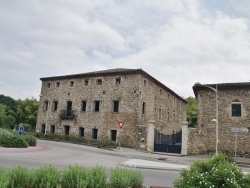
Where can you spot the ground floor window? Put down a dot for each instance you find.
(52, 129)
(81, 131)
(113, 135)
(94, 134)
(66, 129)
(43, 129)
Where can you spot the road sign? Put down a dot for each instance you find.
(120, 123)
(239, 130)
(21, 129)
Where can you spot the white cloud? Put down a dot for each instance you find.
(177, 42)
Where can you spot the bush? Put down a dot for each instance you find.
(4, 178)
(215, 172)
(13, 141)
(103, 143)
(4, 132)
(125, 178)
(19, 177)
(44, 177)
(96, 178)
(31, 140)
(74, 177)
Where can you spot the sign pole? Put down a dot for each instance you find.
(120, 138)
(235, 149)
(120, 132)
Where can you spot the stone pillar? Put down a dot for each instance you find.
(151, 135)
(184, 142)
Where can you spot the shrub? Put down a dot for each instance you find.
(125, 178)
(19, 177)
(4, 132)
(74, 177)
(4, 178)
(215, 172)
(103, 143)
(31, 140)
(13, 141)
(44, 177)
(96, 178)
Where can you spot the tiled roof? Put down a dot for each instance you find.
(113, 72)
(222, 86)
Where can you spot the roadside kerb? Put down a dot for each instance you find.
(145, 164)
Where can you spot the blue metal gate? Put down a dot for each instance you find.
(167, 143)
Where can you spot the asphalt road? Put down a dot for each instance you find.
(62, 155)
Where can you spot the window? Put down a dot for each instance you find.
(236, 109)
(94, 134)
(71, 83)
(99, 81)
(145, 83)
(52, 129)
(160, 91)
(48, 84)
(55, 104)
(168, 116)
(160, 114)
(143, 107)
(115, 106)
(43, 128)
(113, 135)
(81, 131)
(45, 105)
(96, 106)
(69, 108)
(86, 82)
(66, 130)
(174, 102)
(84, 106)
(118, 80)
(57, 84)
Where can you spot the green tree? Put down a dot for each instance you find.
(192, 110)
(2, 114)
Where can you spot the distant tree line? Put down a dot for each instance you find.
(18, 112)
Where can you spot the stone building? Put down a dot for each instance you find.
(91, 105)
(233, 112)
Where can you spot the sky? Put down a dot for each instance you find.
(178, 42)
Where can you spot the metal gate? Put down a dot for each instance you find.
(167, 143)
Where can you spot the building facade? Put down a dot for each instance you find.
(233, 119)
(92, 104)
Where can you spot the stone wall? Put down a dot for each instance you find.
(132, 92)
(203, 139)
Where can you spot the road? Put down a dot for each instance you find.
(62, 155)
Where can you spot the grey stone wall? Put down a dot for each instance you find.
(133, 90)
(202, 139)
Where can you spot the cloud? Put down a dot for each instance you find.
(177, 42)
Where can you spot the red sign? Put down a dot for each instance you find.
(120, 124)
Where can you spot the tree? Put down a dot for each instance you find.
(192, 110)
(2, 114)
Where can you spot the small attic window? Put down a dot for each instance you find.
(71, 83)
(57, 84)
(118, 80)
(99, 81)
(86, 82)
(48, 84)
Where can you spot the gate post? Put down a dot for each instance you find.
(150, 137)
(184, 142)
